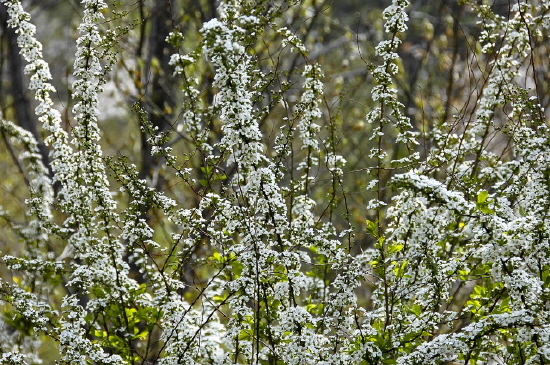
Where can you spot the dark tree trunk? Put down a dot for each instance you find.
(24, 116)
(159, 83)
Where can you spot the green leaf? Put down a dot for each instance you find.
(480, 290)
(395, 248)
(99, 334)
(141, 335)
(482, 202)
(482, 196)
(372, 228)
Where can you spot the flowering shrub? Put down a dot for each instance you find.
(245, 256)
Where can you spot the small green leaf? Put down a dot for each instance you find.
(372, 228)
(141, 335)
(482, 196)
(395, 248)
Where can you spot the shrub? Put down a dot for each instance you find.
(236, 239)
